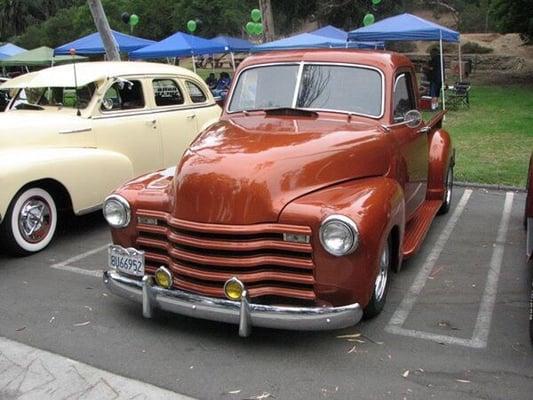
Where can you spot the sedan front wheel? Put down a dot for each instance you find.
(30, 222)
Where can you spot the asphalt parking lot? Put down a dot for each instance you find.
(454, 327)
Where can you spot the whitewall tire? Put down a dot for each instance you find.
(30, 222)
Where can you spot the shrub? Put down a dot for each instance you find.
(401, 47)
(475, 48)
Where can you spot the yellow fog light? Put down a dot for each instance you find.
(163, 277)
(233, 289)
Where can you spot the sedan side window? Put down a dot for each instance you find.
(197, 94)
(403, 97)
(167, 92)
(123, 95)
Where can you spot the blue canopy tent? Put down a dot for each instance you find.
(301, 41)
(330, 31)
(3, 56)
(92, 44)
(312, 41)
(11, 50)
(233, 45)
(179, 45)
(410, 27)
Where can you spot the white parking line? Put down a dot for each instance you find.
(30, 373)
(400, 315)
(65, 265)
(484, 317)
(482, 327)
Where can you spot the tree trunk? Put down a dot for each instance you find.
(102, 25)
(268, 20)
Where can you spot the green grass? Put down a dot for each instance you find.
(494, 138)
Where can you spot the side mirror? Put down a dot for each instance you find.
(413, 118)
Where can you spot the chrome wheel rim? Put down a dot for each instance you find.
(449, 185)
(383, 274)
(35, 220)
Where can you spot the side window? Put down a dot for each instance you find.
(403, 96)
(123, 95)
(197, 94)
(167, 92)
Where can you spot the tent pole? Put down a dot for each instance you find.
(460, 63)
(193, 64)
(442, 72)
(233, 60)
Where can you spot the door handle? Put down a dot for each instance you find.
(424, 129)
(192, 116)
(152, 122)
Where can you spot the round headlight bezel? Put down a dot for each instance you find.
(126, 208)
(345, 222)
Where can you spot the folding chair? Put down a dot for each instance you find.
(459, 95)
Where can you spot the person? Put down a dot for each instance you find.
(211, 81)
(435, 77)
(223, 84)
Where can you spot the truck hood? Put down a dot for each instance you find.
(48, 128)
(245, 170)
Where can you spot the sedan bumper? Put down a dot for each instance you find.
(242, 313)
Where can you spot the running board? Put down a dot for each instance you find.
(417, 228)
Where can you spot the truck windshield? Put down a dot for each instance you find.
(339, 88)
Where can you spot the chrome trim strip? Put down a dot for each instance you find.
(119, 114)
(241, 313)
(89, 210)
(301, 64)
(81, 130)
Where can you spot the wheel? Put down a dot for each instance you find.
(448, 192)
(30, 222)
(381, 284)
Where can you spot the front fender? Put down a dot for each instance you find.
(88, 174)
(377, 206)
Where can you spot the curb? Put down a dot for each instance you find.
(490, 186)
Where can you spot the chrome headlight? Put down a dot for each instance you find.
(117, 211)
(339, 235)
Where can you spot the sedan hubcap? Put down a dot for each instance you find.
(35, 219)
(381, 280)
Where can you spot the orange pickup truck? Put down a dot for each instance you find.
(291, 211)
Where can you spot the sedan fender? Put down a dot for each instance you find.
(87, 174)
(377, 207)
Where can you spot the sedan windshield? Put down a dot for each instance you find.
(349, 89)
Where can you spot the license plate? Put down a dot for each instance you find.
(128, 261)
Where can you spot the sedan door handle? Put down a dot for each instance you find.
(192, 116)
(152, 122)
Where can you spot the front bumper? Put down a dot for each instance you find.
(242, 313)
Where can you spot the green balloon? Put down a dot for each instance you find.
(368, 19)
(258, 28)
(191, 25)
(250, 26)
(376, 2)
(256, 15)
(134, 19)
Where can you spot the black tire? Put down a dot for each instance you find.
(448, 192)
(30, 222)
(379, 293)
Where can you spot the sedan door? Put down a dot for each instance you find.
(126, 124)
(176, 116)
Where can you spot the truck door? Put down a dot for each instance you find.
(412, 145)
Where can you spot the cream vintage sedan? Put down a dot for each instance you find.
(64, 149)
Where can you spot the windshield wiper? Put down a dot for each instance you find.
(28, 106)
(291, 111)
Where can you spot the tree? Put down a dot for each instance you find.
(514, 17)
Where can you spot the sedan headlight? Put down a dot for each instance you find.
(339, 235)
(117, 211)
